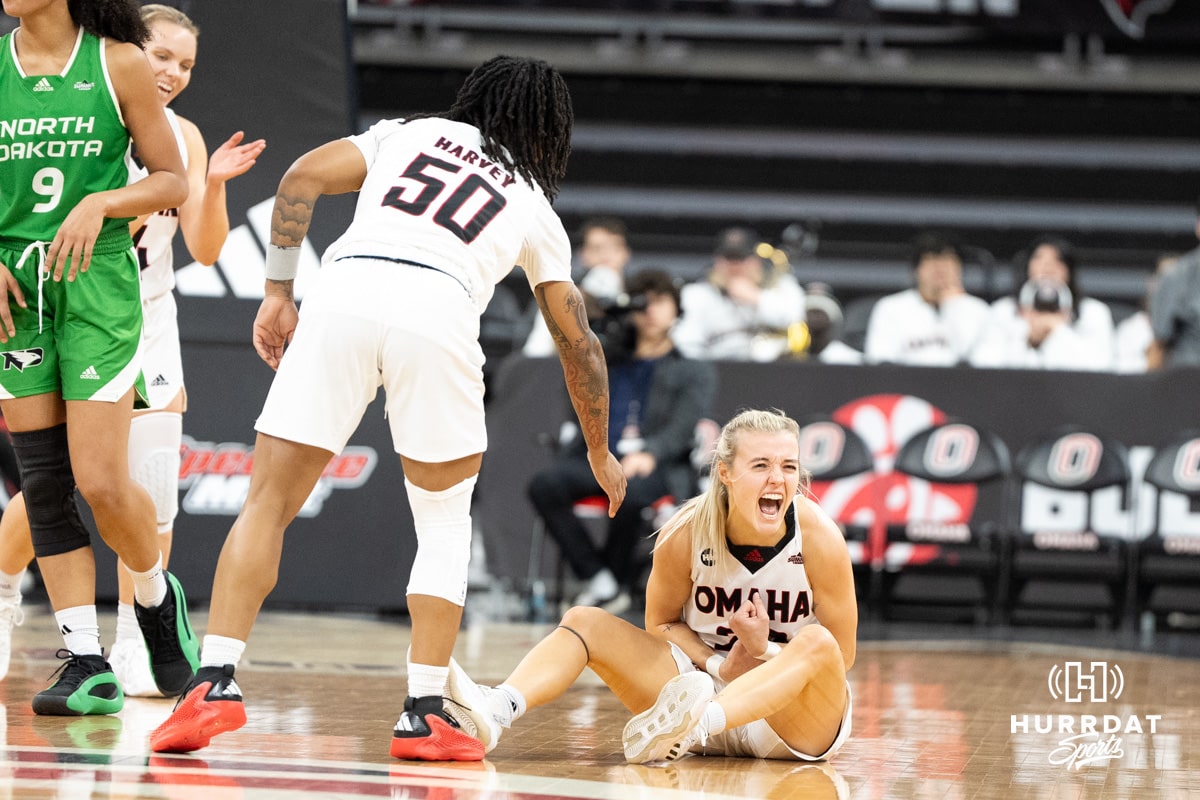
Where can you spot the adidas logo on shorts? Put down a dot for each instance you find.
(89, 374)
(43, 86)
(160, 381)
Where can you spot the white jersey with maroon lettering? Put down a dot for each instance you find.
(776, 573)
(431, 197)
(154, 242)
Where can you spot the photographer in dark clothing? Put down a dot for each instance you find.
(656, 399)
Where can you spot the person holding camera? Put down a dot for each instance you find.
(935, 323)
(1047, 324)
(603, 257)
(742, 310)
(656, 398)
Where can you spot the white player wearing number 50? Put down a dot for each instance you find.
(447, 205)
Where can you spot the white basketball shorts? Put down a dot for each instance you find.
(367, 323)
(162, 362)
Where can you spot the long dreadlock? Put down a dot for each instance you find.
(115, 19)
(523, 109)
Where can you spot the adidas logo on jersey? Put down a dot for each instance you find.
(160, 381)
(84, 86)
(89, 374)
(43, 86)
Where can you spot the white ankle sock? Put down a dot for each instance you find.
(149, 587)
(10, 585)
(425, 680)
(127, 627)
(217, 651)
(712, 721)
(80, 630)
(514, 703)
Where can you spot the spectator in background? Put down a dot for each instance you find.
(1134, 337)
(934, 324)
(741, 312)
(1048, 323)
(603, 256)
(1175, 312)
(823, 315)
(656, 399)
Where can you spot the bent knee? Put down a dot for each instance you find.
(585, 620)
(821, 647)
(102, 493)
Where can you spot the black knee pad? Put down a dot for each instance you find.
(49, 488)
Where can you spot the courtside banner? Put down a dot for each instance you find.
(283, 73)
(353, 543)
(884, 404)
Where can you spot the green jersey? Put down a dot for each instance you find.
(61, 138)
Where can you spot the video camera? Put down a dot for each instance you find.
(612, 322)
(1045, 296)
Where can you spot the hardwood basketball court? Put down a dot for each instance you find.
(965, 718)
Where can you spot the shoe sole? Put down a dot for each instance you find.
(195, 721)
(471, 704)
(653, 734)
(444, 743)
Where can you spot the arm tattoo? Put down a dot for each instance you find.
(584, 369)
(290, 220)
(286, 287)
(539, 294)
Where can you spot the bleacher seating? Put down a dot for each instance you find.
(690, 118)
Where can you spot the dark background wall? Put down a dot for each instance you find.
(854, 127)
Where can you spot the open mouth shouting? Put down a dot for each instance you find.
(770, 505)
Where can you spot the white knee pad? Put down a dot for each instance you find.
(443, 522)
(154, 441)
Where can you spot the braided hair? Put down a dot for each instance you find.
(114, 19)
(523, 109)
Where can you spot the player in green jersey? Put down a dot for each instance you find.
(75, 92)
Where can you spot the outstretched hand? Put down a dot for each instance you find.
(234, 158)
(274, 327)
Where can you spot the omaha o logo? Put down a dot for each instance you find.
(1075, 459)
(1187, 466)
(951, 450)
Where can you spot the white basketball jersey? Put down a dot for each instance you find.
(776, 573)
(154, 242)
(431, 197)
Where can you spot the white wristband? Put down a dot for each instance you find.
(773, 649)
(713, 665)
(282, 262)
